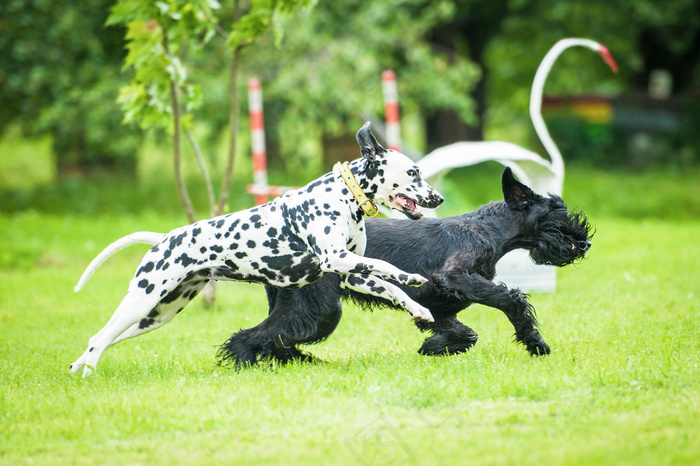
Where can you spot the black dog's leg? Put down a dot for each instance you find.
(305, 316)
(513, 303)
(276, 337)
(450, 336)
(241, 348)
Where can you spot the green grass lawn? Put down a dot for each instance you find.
(620, 387)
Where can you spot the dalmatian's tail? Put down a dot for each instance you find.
(141, 237)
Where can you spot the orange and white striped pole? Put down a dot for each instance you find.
(391, 110)
(257, 133)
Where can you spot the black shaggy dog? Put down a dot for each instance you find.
(458, 253)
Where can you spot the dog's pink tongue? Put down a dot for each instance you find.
(411, 205)
(407, 203)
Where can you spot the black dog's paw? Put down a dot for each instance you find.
(538, 348)
(291, 354)
(434, 347)
(301, 358)
(455, 340)
(534, 342)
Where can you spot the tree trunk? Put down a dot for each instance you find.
(234, 115)
(469, 33)
(658, 54)
(209, 291)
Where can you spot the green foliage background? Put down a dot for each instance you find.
(320, 64)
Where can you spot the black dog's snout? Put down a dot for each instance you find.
(582, 246)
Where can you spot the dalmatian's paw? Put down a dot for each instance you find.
(420, 313)
(77, 366)
(412, 279)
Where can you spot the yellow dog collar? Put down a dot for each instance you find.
(365, 204)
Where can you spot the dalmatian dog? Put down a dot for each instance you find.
(289, 242)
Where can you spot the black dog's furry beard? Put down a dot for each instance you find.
(561, 243)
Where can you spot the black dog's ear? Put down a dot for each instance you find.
(371, 149)
(516, 194)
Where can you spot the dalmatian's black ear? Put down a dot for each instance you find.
(371, 149)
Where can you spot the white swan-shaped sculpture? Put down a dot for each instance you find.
(542, 175)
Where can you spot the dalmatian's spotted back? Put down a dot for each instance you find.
(289, 242)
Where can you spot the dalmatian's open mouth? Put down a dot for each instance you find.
(408, 206)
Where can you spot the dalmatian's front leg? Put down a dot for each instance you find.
(374, 286)
(345, 262)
